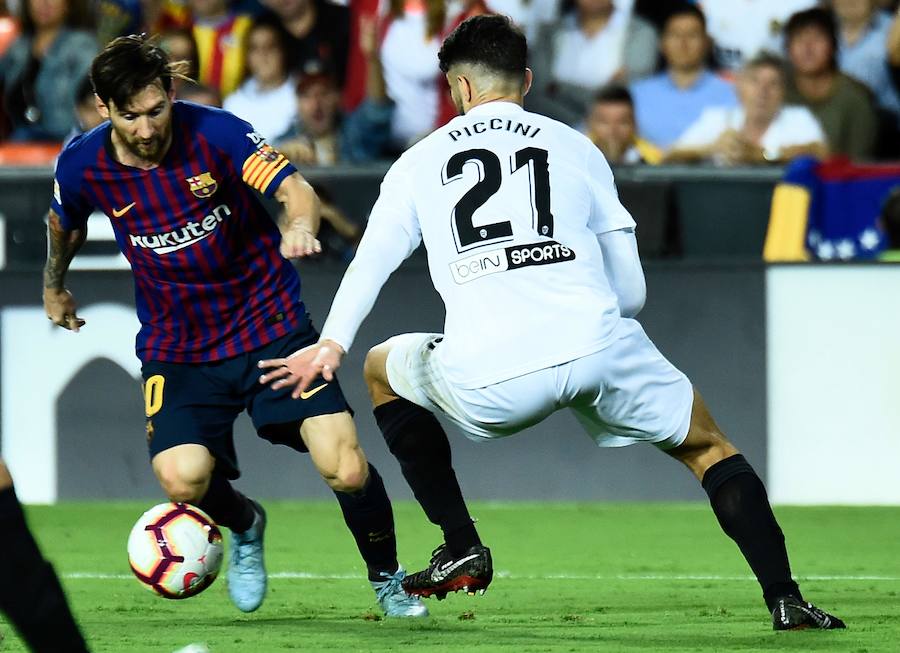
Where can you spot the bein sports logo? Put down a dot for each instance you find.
(509, 258)
(192, 232)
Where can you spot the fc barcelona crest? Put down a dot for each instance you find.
(203, 185)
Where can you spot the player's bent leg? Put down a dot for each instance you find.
(184, 472)
(739, 500)
(705, 444)
(334, 448)
(30, 592)
(417, 440)
(187, 474)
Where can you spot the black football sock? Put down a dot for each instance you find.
(739, 500)
(416, 439)
(227, 506)
(368, 515)
(30, 593)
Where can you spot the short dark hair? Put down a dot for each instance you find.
(131, 63)
(817, 17)
(84, 92)
(685, 9)
(614, 93)
(491, 41)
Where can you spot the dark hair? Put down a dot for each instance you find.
(766, 59)
(84, 92)
(614, 93)
(820, 18)
(272, 23)
(129, 64)
(489, 40)
(685, 9)
(78, 16)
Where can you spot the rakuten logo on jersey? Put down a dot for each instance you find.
(509, 258)
(192, 232)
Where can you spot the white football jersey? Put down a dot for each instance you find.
(509, 205)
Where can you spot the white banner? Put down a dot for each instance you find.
(38, 361)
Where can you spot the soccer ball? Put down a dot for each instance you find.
(175, 550)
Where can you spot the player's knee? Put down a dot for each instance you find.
(350, 476)
(183, 483)
(374, 366)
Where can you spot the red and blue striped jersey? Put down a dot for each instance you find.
(210, 282)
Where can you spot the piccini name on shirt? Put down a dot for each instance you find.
(496, 124)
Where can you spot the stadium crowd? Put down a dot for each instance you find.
(649, 81)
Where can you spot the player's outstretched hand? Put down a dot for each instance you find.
(298, 242)
(61, 309)
(302, 367)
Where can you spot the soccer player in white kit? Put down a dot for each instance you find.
(537, 263)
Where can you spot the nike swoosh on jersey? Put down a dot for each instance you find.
(310, 393)
(118, 213)
(440, 574)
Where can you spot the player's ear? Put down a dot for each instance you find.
(102, 109)
(529, 79)
(171, 93)
(465, 88)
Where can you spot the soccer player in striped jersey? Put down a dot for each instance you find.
(215, 293)
(537, 263)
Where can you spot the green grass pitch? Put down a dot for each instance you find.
(570, 577)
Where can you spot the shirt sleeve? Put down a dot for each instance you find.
(392, 234)
(68, 200)
(805, 127)
(262, 167)
(703, 131)
(607, 212)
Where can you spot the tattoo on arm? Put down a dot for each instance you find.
(61, 248)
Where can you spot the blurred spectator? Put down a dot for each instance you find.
(180, 46)
(9, 29)
(86, 111)
(199, 94)
(220, 34)
(325, 137)
(761, 130)
(446, 109)
(862, 52)
(43, 66)
(117, 18)
(592, 45)
(741, 29)
(412, 38)
(318, 33)
(266, 98)
(843, 106)
(667, 103)
(611, 127)
(86, 106)
(529, 15)
(338, 235)
(121, 17)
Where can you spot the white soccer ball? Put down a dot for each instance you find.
(175, 550)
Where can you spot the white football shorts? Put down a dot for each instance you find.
(625, 393)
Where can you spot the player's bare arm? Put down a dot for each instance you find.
(62, 245)
(302, 367)
(299, 223)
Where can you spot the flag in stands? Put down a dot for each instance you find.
(829, 210)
